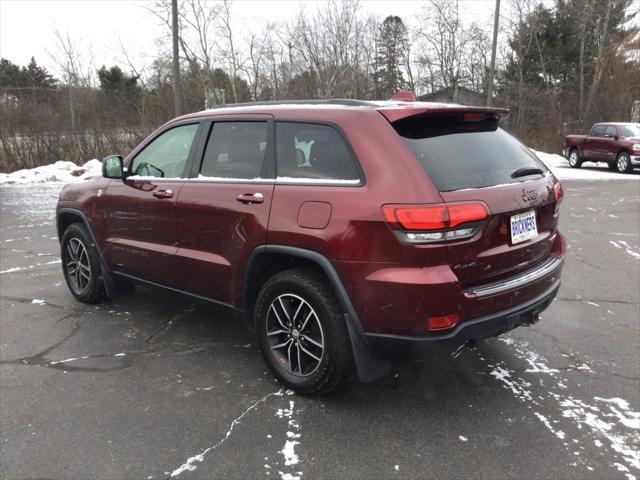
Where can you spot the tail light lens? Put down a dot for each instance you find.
(435, 223)
(558, 193)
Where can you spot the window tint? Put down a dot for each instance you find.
(459, 155)
(236, 150)
(610, 130)
(166, 155)
(598, 131)
(308, 151)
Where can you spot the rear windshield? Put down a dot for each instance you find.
(457, 154)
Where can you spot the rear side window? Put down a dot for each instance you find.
(236, 150)
(313, 153)
(457, 155)
(598, 131)
(610, 131)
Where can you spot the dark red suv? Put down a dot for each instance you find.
(350, 233)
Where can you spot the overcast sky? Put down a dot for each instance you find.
(27, 26)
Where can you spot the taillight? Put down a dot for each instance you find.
(435, 223)
(558, 192)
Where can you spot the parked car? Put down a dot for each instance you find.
(348, 233)
(617, 144)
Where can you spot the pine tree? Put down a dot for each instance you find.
(390, 57)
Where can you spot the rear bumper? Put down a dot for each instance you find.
(389, 346)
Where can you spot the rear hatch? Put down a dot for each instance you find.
(469, 159)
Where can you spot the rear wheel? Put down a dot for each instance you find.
(623, 163)
(574, 158)
(302, 334)
(81, 264)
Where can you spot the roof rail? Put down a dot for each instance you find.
(332, 101)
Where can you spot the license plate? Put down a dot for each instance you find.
(523, 227)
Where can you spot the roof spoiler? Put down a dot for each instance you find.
(394, 113)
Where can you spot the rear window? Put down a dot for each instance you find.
(457, 155)
(308, 152)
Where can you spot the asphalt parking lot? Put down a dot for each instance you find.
(153, 385)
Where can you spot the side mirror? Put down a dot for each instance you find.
(112, 167)
(300, 159)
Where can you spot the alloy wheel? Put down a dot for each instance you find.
(573, 158)
(295, 335)
(77, 265)
(622, 163)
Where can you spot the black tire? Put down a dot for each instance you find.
(574, 158)
(279, 308)
(623, 163)
(81, 264)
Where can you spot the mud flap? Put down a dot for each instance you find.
(369, 367)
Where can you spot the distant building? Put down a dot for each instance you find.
(446, 95)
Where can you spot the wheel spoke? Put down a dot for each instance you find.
(284, 309)
(304, 324)
(282, 324)
(70, 251)
(310, 354)
(295, 315)
(289, 357)
(311, 340)
(276, 332)
(84, 275)
(281, 345)
(299, 362)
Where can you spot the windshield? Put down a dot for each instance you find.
(458, 155)
(630, 130)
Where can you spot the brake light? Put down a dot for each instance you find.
(443, 322)
(434, 217)
(558, 192)
(473, 117)
(435, 223)
(416, 218)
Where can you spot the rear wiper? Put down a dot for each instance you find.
(523, 172)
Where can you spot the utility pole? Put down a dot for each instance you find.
(492, 68)
(177, 85)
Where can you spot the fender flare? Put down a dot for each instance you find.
(369, 366)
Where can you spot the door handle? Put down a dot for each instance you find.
(250, 198)
(163, 194)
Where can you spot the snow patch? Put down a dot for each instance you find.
(58, 172)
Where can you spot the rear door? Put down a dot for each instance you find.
(223, 210)
(469, 159)
(140, 210)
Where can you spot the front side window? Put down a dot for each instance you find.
(630, 130)
(236, 150)
(315, 153)
(166, 156)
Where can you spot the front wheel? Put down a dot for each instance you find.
(623, 163)
(302, 334)
(81, 264)
(574, 159)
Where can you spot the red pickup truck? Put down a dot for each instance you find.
(617, 144)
